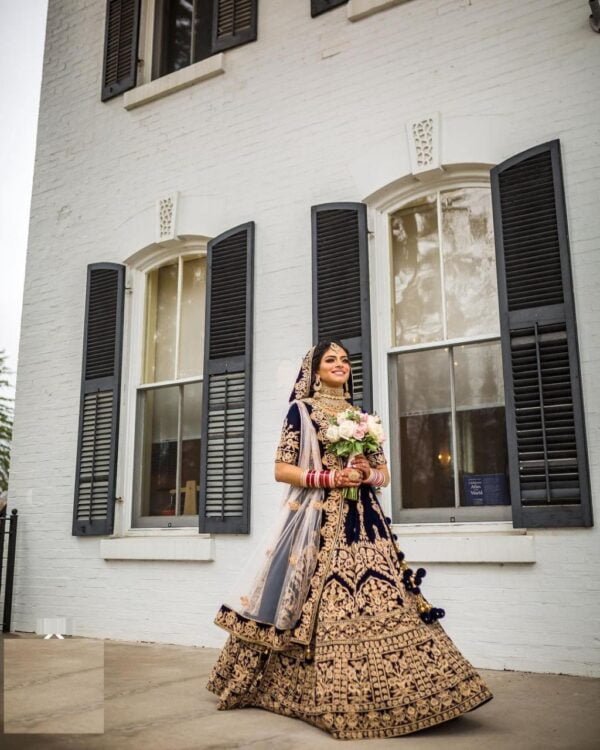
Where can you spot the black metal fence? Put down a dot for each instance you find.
(8, 527)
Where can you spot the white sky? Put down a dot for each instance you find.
(22, 32)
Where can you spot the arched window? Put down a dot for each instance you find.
(446, 394)
(169, 396)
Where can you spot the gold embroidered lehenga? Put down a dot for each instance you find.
(366, 657)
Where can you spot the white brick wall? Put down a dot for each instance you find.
(313, 111)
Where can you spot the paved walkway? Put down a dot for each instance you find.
(139, 696)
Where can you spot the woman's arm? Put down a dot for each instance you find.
(294, 475)
(360, 462)
(288, 473)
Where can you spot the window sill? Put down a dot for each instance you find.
(494, 542)
(180, 79)
(153, 546)
(358, 9)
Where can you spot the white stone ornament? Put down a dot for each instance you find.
(166, 208)
(424, 145)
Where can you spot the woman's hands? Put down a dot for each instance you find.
(347, 477)
(360, 462)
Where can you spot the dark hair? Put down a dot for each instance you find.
(320, 350)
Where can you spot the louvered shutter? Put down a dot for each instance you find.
(95, 474)
(234, 23)
(121, 38)
(340, 270)
(548, 464)
(227, 392)
(321, 6)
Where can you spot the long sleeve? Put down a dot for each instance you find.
(376, 458)
(289, 442)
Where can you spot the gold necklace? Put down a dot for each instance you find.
(329, 392)
(331, 400)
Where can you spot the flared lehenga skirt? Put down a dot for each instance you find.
(360, 662)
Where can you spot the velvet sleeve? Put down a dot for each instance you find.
(376, 458)
(289, 442)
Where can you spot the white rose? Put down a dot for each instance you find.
(346, 429)
(375, 428)
(333, 433)
(379, 434)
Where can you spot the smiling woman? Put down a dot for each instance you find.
(332, 627)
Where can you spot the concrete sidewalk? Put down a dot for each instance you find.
(136, 696)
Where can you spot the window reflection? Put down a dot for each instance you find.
(463, 263)
(161, 324)
(431, 464)
(183, 33)
(417, 274)
(469, 263)
(191, 346)
(159, 450)
(480, 425)
(425, 429)
(171, 419)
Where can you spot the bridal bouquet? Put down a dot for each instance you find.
(353, 432)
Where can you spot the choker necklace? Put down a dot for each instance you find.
(329, 392)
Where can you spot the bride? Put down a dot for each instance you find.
(332, 627)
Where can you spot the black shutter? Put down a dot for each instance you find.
(234, 23)
(341, 287)
(322, 6)
(548, 466)
(95, 473)
(121, 38)
(227, 391)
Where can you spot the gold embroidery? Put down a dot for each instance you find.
(360, 662)
(289, 445)
(302, 387)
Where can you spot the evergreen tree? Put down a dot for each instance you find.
(6, 423)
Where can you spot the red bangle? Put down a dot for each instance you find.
(322, 478)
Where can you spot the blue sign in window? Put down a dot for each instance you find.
(486, 489)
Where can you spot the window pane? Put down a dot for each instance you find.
(480, 425)
(190, 448)
(191, 344)
(161, 324)
(158, 410)
(178, 36)
(469, 262)
(416, 269)
(425, 429)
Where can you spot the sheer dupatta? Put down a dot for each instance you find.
(280, 573)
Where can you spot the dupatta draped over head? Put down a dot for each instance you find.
(281, 570)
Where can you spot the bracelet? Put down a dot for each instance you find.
(319, 479)
(376, 478)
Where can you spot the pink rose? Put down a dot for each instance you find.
(359, 432)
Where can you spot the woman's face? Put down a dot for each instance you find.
(334, 368)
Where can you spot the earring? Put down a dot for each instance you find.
(317, 385)
(346, 391)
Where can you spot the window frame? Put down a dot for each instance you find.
(158, 39)
(140, 266)
(385, 203)
(150, 38)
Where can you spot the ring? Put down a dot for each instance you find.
(354, 475)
